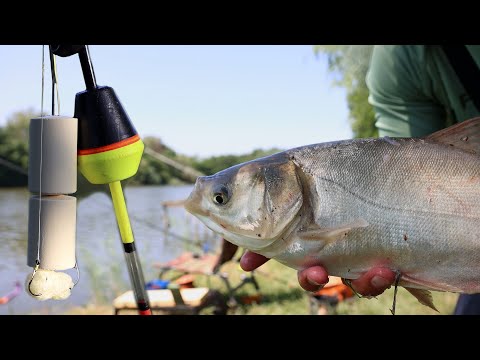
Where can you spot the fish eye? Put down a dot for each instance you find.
(220, 195)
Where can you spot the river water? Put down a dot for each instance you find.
(160, 233)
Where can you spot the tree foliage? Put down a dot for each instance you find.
(154, 172)
(14, 148)
(349, 64)
(215, 164)
(14, 138)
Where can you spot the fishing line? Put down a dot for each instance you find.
(41, 161)
(37, 261)
(90, 65)
(56, 83)
(53, 69)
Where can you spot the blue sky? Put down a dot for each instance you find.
(200, 100)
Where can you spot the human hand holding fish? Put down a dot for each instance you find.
(374, 282)
(363, 210)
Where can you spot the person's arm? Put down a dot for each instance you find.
(402, 91)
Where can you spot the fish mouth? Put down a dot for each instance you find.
(191, 205)
(246, 242)
(194, 200)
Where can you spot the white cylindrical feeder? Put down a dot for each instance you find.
(58, 218)
(58, 152)
(52, 214)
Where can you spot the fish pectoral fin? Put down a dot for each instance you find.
(315, 232)
(464, 135)
(424, 297)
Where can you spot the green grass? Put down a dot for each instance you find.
(406, 304)
(282, 295)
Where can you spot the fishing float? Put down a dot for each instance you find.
(109, 151)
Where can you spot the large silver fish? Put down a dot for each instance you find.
(412, 205)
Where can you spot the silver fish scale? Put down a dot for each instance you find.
(420, 199)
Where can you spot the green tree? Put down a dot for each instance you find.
(350, 65)
(14, 138)
(14, 148)
(215, 164)
(154, 172)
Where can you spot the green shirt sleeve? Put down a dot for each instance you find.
(402, 93)
(415, 91)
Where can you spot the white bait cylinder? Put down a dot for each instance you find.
(59, 155)
(57, 228)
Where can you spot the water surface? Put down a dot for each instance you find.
(99, 251)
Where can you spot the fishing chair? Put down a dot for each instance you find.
(325, 301)
(178, 296)
(176, 301)
(209, 265)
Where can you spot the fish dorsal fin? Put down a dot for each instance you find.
(423, 296)
(464, 135)
(315, 232)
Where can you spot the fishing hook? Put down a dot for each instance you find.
(397, 280)
(348, 282)
(37, 264)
